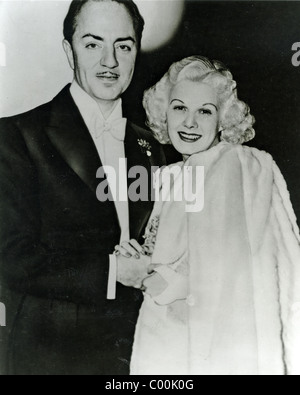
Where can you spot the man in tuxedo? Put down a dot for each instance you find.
(56, 237)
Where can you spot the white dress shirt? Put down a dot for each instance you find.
(108, 136)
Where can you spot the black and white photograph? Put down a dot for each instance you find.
(149, 190)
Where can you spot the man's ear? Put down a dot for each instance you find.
(69, 52)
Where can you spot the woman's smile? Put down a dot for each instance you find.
(189, 137)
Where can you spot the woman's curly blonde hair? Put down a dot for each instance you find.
(236, 122)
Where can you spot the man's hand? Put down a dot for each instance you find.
(133, 264)
(132, 271)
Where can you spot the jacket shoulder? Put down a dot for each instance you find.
(34, 117)
(22, 119)
(17, 130)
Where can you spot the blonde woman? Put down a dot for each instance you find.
(224, 294)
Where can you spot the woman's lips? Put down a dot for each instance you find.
(189, 137)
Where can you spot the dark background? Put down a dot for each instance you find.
(254, 39)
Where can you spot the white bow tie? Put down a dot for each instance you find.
(116, 128)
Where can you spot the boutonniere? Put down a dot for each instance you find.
(145, 146)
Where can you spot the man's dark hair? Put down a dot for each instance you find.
(70, 22)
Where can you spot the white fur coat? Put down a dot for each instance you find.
(242, 314)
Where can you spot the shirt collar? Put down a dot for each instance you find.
(90, 109)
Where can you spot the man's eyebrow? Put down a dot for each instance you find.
(93, 36)
(125, 39)
(121, 39)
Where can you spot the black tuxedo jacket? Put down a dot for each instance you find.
(55, 241)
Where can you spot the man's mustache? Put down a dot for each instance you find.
(108, 74)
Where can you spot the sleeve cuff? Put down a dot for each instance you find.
(177, 286)
(112, 278)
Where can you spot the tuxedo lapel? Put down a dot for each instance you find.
(70, 136)
(139, 212)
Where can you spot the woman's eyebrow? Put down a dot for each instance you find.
(211, 104)
(177, 100)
